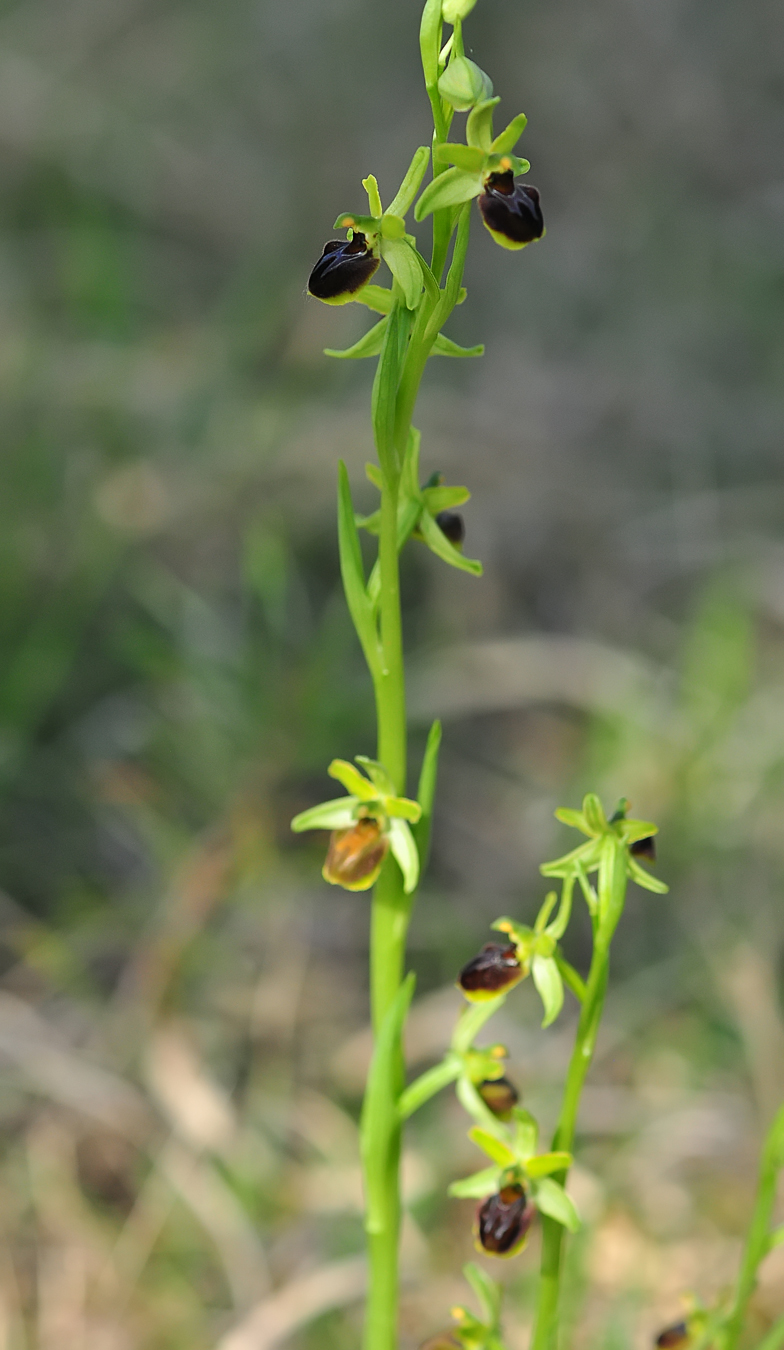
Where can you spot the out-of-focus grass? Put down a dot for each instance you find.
(182, 1001)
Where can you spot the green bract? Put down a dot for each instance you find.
(474, 162)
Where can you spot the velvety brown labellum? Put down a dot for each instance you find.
(503, 1221)
(676, 1335)
(343, 268)
(499, 1095)
(355, 855)
(451, 524)
(644, 848)
(512, 209)
(493, 970)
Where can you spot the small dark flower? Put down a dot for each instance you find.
(499, 1096)
(511, 211)
(345, 266)
(355, 855)
(676, 1335)
(495, 969)
(503, 1221)
(644, 848)
(451, 524)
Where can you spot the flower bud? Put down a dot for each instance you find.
(494, 970)
(355, 855)
(511, 211)
(452, 10)
(451, 524)
(644, 848)
(464, 83)
(499, 1096)
(673, 1337)
(443, 1341)
(345, 266)
(503, 1221)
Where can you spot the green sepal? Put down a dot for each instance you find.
(379, 1125)
(479, 127)
(377, 774)
(593, 811)
(547, 978)
(370, 184)
(449, 189)
(426, 791)
(338, 814)
(443, 498)
(352, 573)
(410, 186)
(478, 1185)
(585, 856)
(378, 298)
(575, 819)
(468, 157)
(369, 345)
(404, 265)
(402, 808)
(507, 139)
(645, 879)
(352, 780)
(444, 346)
(546, 1163)
(438, 543)
(494, 1148)
(552, 1200)
(404, 850)
(632, 830)
(487, 1291)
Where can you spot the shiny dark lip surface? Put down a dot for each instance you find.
(344, 267)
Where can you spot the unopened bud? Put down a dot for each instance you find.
(452, 10)
(355, 855)
(345, 266)
(494, 970)
(499, 1096)
(464, 83)
(511, 211)
(503, 1221)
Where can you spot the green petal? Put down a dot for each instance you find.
(337, 814)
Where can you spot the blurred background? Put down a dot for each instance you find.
(183, 1002)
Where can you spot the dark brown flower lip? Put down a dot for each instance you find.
(355, 854)
(344, 267)
(499, 1095)
(494, 969)
(503, 1221)
(644, 848)
(451, 524)
(671, 1337)
(512, 209)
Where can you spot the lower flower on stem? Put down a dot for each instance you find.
(503, 1221)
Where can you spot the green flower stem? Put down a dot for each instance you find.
(428, 1084)
(758, 1238)
(612, 887)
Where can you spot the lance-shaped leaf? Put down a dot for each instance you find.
(352, 780)
(645, 879)
(338, 814)
(404, 265)
(546, 1163)
(478, 1185)
(377, 774)
(379, 1112)
(438, 543)
(410, 186)
(426, 792)
(352, 573)
(507, 139)
(479, 127)
(495, 1148)
(443, 346)
(369, 345)
(449, 189)
(404, 850)
(547, 978)
(552, 1200)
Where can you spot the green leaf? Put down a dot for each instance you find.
(370, 185)
(352, 780)
(410, 186)
(547, 978)
(337, 814)
(468, 157)
(380, 1122)
(487, 1291)
(442, 498)
(493, 1147)
(645, 879)
(444, 346)
(507, 139)
(352, 573)
(402, 808)
(377, 774)
(378, 298)
(552, 1200)
(403, 263)
(383, 398)
(430, 40)
(369, 345)
(448, 189)
(545, 1163)
(479, 127)
(401, 842)
(426, 791)
(593, 811)
(477, 1185)
(438, 543)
